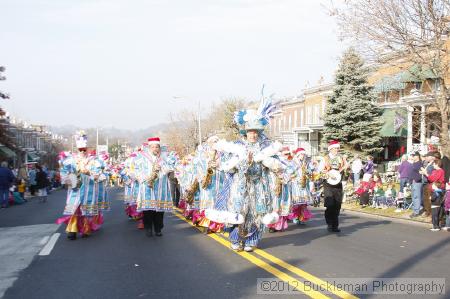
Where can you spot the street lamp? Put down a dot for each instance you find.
(198, 119)
(97, 144)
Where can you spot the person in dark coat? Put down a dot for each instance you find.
(6, 180)
(42, 183)
(333, 193)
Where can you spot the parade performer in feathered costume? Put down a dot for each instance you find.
(189, 186)
(301, 192)
(103, 171)
(131, 189)
(154, 196)
(211, 181)
(283, 191)
(250, 196)
(81, 173)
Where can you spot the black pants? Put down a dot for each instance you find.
(32, 189)
(364, 198)
(332, 202)
(435, 216)
(153, 220)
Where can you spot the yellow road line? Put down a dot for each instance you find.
(262, 264)
(300, 272)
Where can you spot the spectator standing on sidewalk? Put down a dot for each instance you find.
(42, 183)
(356, 170)
(22, 173)
(427, 191)
(404, 172)
(436, 184)
(368, 168)
(416, 184)
(446, 167)
(6, 180)
(57, 179)
(32, 180)
(447, 206)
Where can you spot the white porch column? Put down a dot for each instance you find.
(422, 125)
(409, 141)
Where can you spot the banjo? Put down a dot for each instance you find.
(333, 177)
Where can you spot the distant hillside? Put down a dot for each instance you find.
(114, 135)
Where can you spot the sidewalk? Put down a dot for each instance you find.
(28, 196)
(389, 213)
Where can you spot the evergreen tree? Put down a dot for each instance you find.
(352, 116)
(2, 94)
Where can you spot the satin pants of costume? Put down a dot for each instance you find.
(251, 240)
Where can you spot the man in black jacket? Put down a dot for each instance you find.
(42, 183)
(446, 167)
(6, 179)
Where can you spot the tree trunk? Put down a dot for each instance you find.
(445, 145)
(442, 101)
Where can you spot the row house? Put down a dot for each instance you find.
(299, 121)
(406, 94)
(411, 121)
(28, 143)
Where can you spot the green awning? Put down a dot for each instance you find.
(418, 73)
(389, 83)
(32, 157)
(395, 122)
(4, 151)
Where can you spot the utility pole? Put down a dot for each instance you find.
(199, 125)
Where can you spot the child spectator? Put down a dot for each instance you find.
(389, 195)
(21, 186)
(437, 197)
(378, 196)
(365, 190)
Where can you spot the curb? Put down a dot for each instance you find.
(393, 219)
(380, 217)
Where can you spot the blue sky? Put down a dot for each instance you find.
(117, 62)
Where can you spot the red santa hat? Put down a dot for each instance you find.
(333, 144)
(299, 150)
(285, 150)
(154, 140)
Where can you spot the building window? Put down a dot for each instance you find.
(418, 86)
(301, 117)
(437, 85)
(295, 119)
(317, 114)
(309, 115)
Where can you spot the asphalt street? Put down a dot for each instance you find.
(119, 261)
